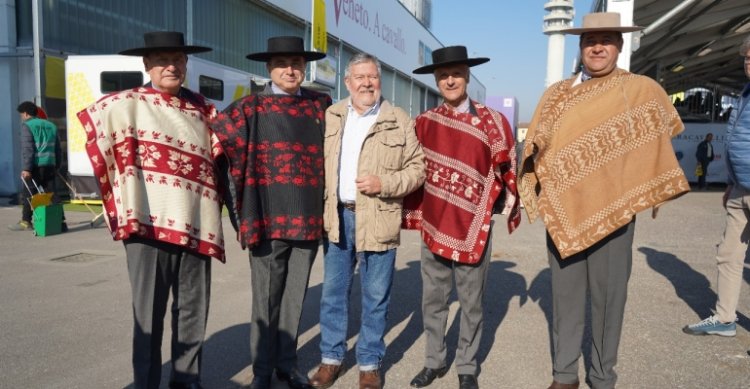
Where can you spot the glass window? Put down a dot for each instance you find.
(386, 82)
(402, 93)
(213, 88)
(117, 81)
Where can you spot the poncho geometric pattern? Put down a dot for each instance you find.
(598, 153)
(470, 161)
(152, 154)
(274, 144)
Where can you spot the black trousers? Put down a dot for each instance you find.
(702, 178)
(279, 274)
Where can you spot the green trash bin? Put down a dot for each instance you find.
(48, 219)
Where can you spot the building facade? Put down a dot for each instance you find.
(40, 35)
(421, 9)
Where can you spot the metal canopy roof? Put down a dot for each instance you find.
(698, 46)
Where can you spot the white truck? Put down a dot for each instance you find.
(89, 77)
(686, 143)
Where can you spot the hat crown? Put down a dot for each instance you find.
(285, 44)
(163, 39)
(601, 20)
(449, 54)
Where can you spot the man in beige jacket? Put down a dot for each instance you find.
(372, 160)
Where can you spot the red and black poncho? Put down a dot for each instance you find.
(274, 144)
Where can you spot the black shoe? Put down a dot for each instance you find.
(427, 375)
(183, 385)
(467, 381)
(261, 382)
(294, 379)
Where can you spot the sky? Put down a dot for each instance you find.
(509, 32)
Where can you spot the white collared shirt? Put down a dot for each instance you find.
(464, 107)
(355, 131)
(278, 91)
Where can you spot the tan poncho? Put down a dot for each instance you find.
(598, 153)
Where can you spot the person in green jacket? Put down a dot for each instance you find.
(41, 156)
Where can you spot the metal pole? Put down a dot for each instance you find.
(36, 16)
(674, 11)
(189, 22)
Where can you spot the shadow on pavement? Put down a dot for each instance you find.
(502, 286)
(405, 302)
(540, 291)
(690, 285)
(225, 354)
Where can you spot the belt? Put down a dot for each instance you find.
(350, 206)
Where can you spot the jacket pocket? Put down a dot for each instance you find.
(391, 150)
(388, 222)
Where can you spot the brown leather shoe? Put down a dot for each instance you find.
(557, 385)
(325, 376)
(370, 379)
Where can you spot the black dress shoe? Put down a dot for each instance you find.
(467, 381)
(182, 385)
(427, 375)
(294, 379)
(261, 382)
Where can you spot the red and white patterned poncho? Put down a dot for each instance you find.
(469, 160)
(152, 155)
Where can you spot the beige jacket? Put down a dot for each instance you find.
(391, 152)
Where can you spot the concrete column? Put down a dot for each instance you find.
(625, 8)
(9, 120)
(555, 56)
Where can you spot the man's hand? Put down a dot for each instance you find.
(25, 175)
(369, 185)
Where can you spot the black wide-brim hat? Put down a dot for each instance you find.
(285, 45)
(164, 41)
(451, 55)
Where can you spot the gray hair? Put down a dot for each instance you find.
(745, 46)
(362, 58)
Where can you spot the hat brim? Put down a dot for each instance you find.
(266, 56)
(579, 31)
(141, 51)
(431, 67)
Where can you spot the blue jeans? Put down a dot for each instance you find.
(376, 276)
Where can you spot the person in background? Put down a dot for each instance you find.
(372, 160)
(41, 157)
(732, 251)
(274, 143)
(470, 164)
(154, 158)
(704, 153)
(598, 151)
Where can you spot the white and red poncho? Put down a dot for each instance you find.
(153, 157)
(470, 160)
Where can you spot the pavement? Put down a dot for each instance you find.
(66, 319)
